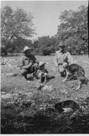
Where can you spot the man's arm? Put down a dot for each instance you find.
(70, 59)
(28, 66)
(32, 61)
(21, 63)
(24, 66)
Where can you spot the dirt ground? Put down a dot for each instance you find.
(27, 110)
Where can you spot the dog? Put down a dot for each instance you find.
(42, 76)
(41, 73)
(77, 71)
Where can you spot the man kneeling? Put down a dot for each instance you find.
(29, 63)
(62, 59)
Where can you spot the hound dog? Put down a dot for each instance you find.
(77, 71)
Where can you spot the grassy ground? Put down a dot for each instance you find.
(25, 109)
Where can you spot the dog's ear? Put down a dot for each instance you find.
(67, 67)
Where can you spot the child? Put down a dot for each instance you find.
(42, 73)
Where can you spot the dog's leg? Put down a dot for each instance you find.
(82, 80)
(67, 75)
(79, 85)
(45, 80)
(40, 77)
(34, 75)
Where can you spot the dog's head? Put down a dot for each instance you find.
(67, 67)
(86, 81)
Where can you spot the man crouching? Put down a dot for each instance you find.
(29, 63)
(62, 59)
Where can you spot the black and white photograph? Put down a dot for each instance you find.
(44, 63)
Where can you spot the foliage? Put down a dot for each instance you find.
(73, 29)
(15, 24)
(19, 44)
(26, 119)
(32, 111)
(45, 45)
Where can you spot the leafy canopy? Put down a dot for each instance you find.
(15, 23)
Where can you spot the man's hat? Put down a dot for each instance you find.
(41, 63)
(61, 45)
(26, 48)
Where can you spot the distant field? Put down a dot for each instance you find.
(17, 87)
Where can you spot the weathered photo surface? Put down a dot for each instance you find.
(44, 67)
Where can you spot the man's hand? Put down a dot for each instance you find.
(27, 66)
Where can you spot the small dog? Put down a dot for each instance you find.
(42, 76)
(42, 73)
(77, 71)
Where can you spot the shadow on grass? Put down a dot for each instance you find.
(19, 119)
(50, 77)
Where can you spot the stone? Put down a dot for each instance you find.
(11, 74)
(6, 96)
(64, 91)
(48, 88)
(43, 107)
(3, 93)
(67, 109)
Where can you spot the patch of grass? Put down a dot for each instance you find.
(18, 120)
(31, 111)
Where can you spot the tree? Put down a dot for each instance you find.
(15, 24)
(73, 29)
(45, 45)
